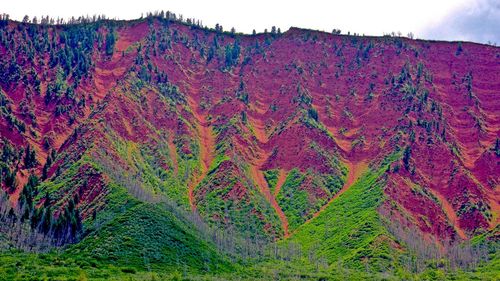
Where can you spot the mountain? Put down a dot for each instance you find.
(157, 148)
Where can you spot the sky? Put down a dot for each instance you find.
(468, 20)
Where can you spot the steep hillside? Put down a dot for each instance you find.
(156, 131)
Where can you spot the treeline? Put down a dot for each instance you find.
(17, 234)
(33, 224)
(424, 253)
(39, 228)
(47, 20)
(162, 15)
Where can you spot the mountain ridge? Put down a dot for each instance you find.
(213, 121)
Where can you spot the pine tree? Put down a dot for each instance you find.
(10, 179)
(30, 158)
(110, 42)
(497, 147)
(406, 157)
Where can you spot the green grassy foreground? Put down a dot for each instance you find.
(346, 242)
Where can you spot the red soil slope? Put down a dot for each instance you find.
(302, 100)
(207, 148)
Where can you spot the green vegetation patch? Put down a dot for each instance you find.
(299, 203)
(347, 230)
(147, 236)
(271, 177)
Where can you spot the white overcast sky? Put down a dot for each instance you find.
(471, 20)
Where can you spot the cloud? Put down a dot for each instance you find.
(477, 21)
